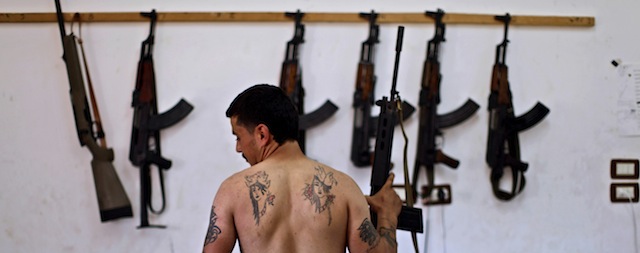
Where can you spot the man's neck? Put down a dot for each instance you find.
(286, 150)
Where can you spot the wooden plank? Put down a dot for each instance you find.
(400, 18)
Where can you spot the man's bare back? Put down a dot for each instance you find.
(294, 205)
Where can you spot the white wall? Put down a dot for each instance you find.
(46, 188)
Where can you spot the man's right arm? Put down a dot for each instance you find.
(221, 234)
(363, 236)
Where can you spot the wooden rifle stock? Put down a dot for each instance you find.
(289, 79)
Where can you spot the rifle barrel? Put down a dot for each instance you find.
(397, 62)
(60, 21)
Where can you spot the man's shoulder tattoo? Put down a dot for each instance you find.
(259, 193)
(318, 192)
(214, 230)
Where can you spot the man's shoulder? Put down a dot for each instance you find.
(233, 182)
(345, 180)
(335, 171)
(239, 177)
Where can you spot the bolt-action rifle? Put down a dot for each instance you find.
(364, 125)
(503, 145)
(147, 123)
(291, 83)
(112, 198)
(410, 218)
(431, 124)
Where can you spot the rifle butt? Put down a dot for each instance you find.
(112, 198)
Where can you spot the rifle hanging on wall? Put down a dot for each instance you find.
(112, 198)
(431, 124)
(147, 123)
(364, 124)
(503, 145)
(291, 83)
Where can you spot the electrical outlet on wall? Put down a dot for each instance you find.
(624, 192)
(625, 169)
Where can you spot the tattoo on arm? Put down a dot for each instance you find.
(318, 192)
(389, 235)
(368, 233)
(259, 193)
(213, 231)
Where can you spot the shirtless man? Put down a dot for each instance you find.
(286, 202)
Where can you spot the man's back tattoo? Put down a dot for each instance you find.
(318, 192)
(259, 193)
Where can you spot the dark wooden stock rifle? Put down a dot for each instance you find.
(291, 83)
(431, 124)
(503, 145)
(147, 123)
(364, 124)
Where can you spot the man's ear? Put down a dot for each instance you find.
(262, 134)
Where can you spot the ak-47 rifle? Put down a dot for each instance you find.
(147, 123)
(364, 125)
(431, 124)
(503, 145)
(112, 198)
(291, 83)
(410, 218)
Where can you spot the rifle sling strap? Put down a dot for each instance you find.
(407, 182)
(518, 179)
(94, 105)
(516, 187)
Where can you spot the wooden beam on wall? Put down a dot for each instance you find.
(449, 18)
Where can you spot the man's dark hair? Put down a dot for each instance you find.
(269, 105)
